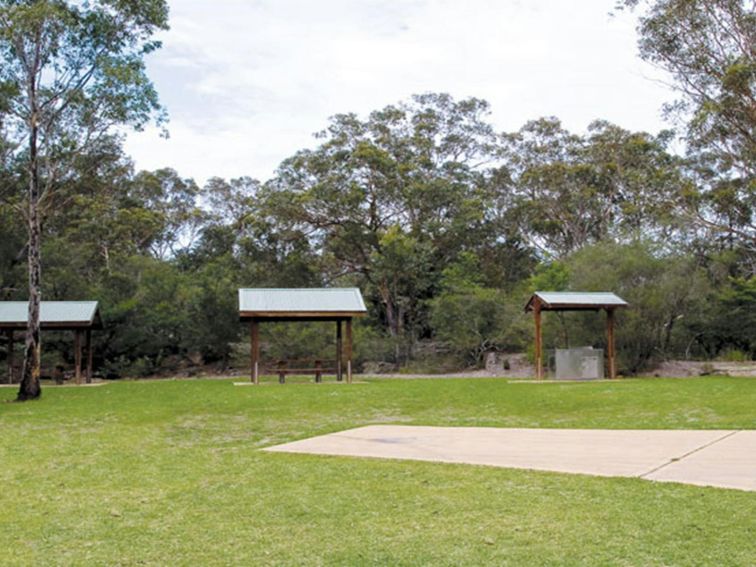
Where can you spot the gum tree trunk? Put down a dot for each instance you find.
(30, 387)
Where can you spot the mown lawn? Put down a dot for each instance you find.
(170, 473)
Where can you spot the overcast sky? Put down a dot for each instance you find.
(247, 82)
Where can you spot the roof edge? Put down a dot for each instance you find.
(575, 305)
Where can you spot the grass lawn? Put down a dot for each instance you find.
(169, 473)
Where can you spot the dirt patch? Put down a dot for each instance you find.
(685, 368)
(498, 365)
(503, 365)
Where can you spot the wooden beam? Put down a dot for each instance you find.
(61, 326)
(254, 350)
(90, 356)
(9, 333)
(339, 353)
(610, 353)
(538, 340)
(349, 350)
(77, 356)
(295, 315)
(578, 307)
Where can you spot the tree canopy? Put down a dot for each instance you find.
(445, 223)
(70, 72)
(709, 50)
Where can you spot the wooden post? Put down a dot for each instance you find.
(10, 356)
(77, 355)
(611, 358)
(538, 339)
(349, 350)
(254, 350)
(318, 373)
(89, 356)
(339, 352)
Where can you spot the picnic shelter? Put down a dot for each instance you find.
(575, 301)
(338, 305)
(81, 317)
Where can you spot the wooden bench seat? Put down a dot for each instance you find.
(317, 367)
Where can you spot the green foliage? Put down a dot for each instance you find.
(729, 323)
(570, 191)
(553, 276)
(86, 61)
(707, 47)
(470, 319)
(462, 275)
(734, 355)
(474, 320)
(12, 240)
(446, 227)
(70, 72)
(663, 290)
(392, 198)
(213, 312)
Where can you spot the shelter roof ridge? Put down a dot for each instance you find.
(577, 300)
(78, 313)
(301, 300)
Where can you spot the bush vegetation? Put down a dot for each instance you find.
(446, 224)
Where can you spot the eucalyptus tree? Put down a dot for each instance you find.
(174, 203)
(232, 202)
(71, 71)
(567, 191)
(389, 198)
(709, 49)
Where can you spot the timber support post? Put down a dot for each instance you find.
(349, 350)
(318, 371)
(11, 346)
(610, 352)
(339, 353)
(77, 356)
(254, 350)
(538, 341)
(90, 356)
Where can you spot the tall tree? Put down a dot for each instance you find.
(410, 177)
(709, 48)
(70, 72)
(173, 201)
(569, 191)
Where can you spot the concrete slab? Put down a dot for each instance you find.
(630, 453)
(729, 463)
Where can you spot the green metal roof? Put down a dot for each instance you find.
(56, 313)
(577, 300)
(301, 300)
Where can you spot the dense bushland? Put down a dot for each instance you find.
(445, 224)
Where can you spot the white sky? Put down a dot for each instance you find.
(247, 82)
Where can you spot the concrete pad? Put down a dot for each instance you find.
(729, 463)
(628, 453)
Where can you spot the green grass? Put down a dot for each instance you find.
(170, 473)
